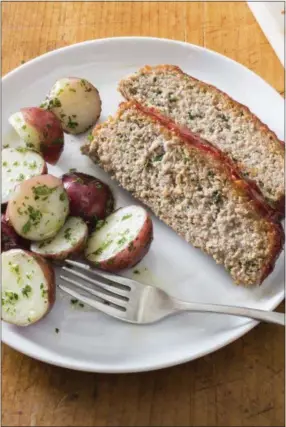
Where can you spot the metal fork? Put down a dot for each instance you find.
(134, 302)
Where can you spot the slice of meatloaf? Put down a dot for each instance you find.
(214, 116)
(188, 186)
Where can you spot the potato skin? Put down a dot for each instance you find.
(133, 254)
(9, 238)
(90, 198)
(49, 127)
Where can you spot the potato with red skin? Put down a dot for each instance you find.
(41, 130)
(28, 287)
(9, 238)
(122, 240)
(89, 197)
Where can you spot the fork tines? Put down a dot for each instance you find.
(108, 293)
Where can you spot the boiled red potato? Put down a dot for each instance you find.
(28, 287)
(89, 198)
(70, 240)
(121, 240)
(76, 102)
(9, 238)
(19, 164)
(38, 207)
(41, 130)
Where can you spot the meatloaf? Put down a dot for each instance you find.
(214, 116)
(189, 186)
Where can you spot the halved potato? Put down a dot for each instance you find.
(41, 130)
(70, 240)
(38, 207)
(18, 165)
(121, 240)
(28, 287)
(76, 102)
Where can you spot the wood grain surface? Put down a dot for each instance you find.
(240, 385)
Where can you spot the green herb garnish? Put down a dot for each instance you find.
(71, 124)
(26, 291)
(126, 217)
(62, 196)
(158, 158)
(67, 234)
(42, 190)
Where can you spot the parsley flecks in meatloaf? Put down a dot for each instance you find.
(190, 190)
(214, 116)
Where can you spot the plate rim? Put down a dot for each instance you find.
(62, 361)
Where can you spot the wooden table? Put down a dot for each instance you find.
(240, 385)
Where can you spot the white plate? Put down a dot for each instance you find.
(88, 340)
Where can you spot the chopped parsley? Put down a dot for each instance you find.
(90, 137)
(126, 217)
(10, 297)
(217, 197)
(223, 117)
(26, 291)
(42, 190)
(76, 302)
(102, 248)
(51, 103)
(62, 196)
(16, 164)
(136, 272)
(32, 165)
(35, 217)
(4, 164)
(20, 177)
(44, 292)
(72, 124)
(67, 233)
(57, 330)
(21, 149)
(85, 83)
(158, 158)
(100, 223)
(121, 241)
(14, 268)
(191, 116)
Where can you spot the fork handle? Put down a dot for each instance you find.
(262, 315)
